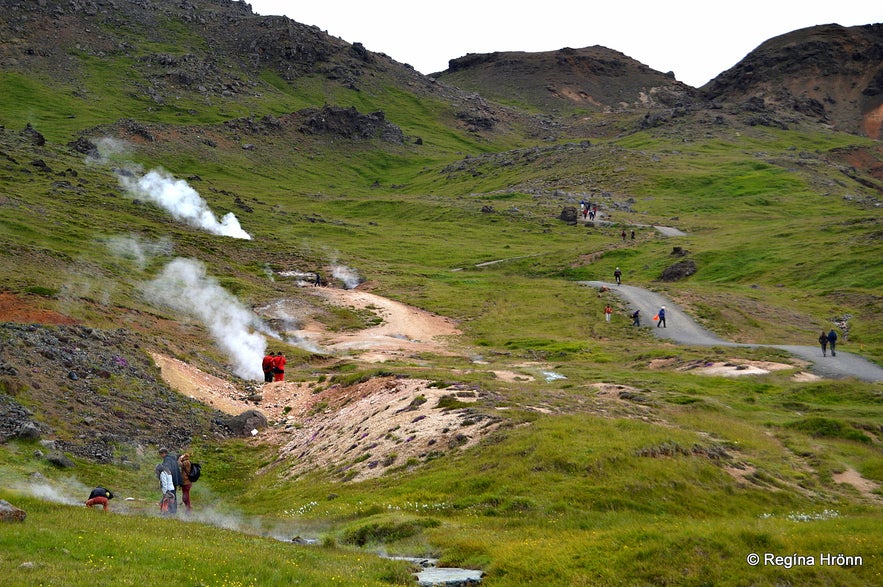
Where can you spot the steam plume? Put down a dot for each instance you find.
(182, 202)
(138, 250)
(184, 286)
(349, 277)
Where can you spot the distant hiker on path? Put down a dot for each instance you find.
(623, 236)
(661, 317)
(633, 235)
(99, 496)
(832, 341)
(618, 276)
(823, 340)
(636, 318)
(267, 367)
(185, 466)
(318, 279)
(607, 312)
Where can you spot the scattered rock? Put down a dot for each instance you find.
(60, 460)
(10, 513)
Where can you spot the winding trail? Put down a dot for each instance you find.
(683, 330)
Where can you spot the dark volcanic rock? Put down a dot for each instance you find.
(678, 271)
(569, 215)
(244, 423)
(828, 73)
(349, 123)
(116, 399)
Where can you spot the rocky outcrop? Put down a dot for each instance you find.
(830, 74)
(97, 385)
(16, 421)
(349, 123)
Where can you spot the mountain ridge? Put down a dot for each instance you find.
(347, 173)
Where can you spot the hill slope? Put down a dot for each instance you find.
(175, 176)
(590, 79)
(830, 72)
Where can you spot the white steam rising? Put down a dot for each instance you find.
(349, 277)
(139, 250)
(70, 491)
(73, 493)
(182, 202)
(184, 286)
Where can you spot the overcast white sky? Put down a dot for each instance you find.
(695, 40)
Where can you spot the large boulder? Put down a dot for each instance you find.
(10, 513)
(244, 423)
(678, 271)
(569, 215)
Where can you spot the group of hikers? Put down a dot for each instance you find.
(659, 318)
(172, 472)
(273, 367)
(587, 210)
(826, 340)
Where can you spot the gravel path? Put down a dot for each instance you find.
(683, 330)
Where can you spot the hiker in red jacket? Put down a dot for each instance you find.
(279, 367)
(267, 366)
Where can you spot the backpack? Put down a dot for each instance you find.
(195, 471)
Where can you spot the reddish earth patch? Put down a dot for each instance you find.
(362, 430)
(358, 431)
(26, 310)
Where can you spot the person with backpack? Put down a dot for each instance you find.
(832, 341)
(636, 318)
(186, 468)
(823, 340)
(660, 315)
(99, 496)
(617, 275)
(608, 310)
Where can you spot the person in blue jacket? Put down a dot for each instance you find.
(832, 340)
(661, 315)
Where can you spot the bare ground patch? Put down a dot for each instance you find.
(402, 331)
(865, 487)
(26, 310)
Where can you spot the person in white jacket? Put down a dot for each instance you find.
(168, 504)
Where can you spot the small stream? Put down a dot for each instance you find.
(429, 575)
(432, 576)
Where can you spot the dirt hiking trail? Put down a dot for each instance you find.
(682, 329)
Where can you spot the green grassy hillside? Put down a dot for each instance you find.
(627, 468)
